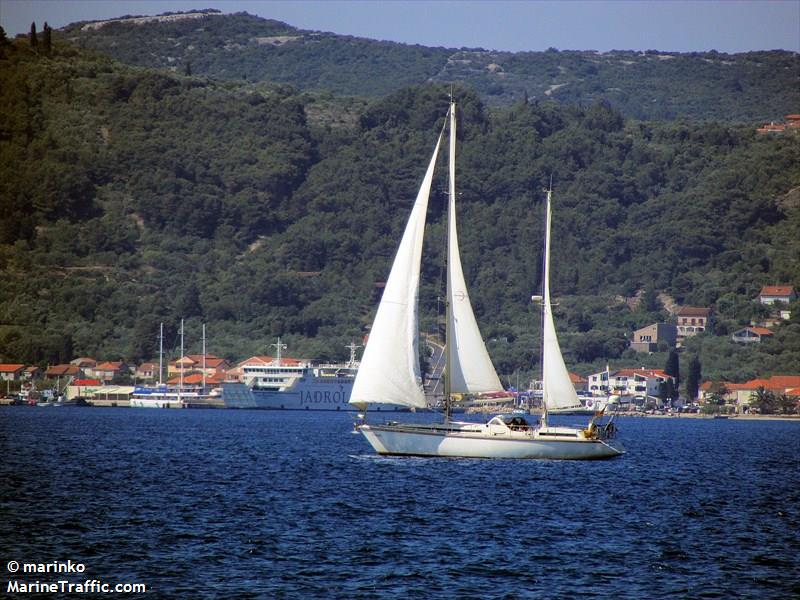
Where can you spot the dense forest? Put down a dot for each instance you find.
(131, 196)
(644, 85)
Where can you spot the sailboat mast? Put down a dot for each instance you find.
(182, 365)
(161, 355)
(546, 308)
(448, 304)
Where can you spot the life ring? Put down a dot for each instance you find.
(589, 403)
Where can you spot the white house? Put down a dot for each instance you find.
(751, 335)
(11, 372)
(628, 382)
(770, 294)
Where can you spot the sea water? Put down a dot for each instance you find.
(249, 504)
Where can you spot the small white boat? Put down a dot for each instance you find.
(389, 370)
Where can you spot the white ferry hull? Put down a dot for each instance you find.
(313, 394)
(413, 440)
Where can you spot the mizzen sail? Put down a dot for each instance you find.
(558, 392)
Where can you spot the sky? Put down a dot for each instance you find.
(514, 25)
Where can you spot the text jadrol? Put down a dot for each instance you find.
(322, 397)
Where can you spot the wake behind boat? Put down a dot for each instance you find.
(389, 371)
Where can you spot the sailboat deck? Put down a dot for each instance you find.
(491, 430)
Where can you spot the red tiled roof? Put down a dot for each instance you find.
(776, 290)
(11, 368)
(777, 383)
(148, 366)
(109, 366)
(771, 127)
(200, 356)
(691, 311)
(62, 370)
(83, 361)
(86, 382)
(212, 363)
(197, 379)
(760, 330)
(642, 372)
(784, 381)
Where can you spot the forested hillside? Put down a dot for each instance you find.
(131, 197)
(751, 87)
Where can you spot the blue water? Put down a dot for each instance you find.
(247, 504)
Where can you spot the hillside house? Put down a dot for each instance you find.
(60, 371)
(147, 371)
(194, 362)
(751, 335)
(770, 294)
(691, 321)
(109, 371)
(194, 381)
(647, 338)
(84, 362)
(792, 123)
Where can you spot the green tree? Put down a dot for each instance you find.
(650, 302)
(672, 367)
(717, 393)
(47, 38)
(34, 40)
(787, 405)
(693, 378)
(764, 401)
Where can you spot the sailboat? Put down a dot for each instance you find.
(389, 372)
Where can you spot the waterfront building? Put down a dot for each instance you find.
(629, 382)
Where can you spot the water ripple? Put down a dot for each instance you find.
(210, 504)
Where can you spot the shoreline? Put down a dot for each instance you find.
(743, 417)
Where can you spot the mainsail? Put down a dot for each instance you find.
(389, 370)
(470, 368)
(558, 390)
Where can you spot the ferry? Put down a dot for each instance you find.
(293, 384)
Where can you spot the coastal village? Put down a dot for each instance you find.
(86, 380)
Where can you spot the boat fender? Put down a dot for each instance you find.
(590, 432)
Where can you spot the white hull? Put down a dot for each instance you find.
(462, 440)
(156, 403)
